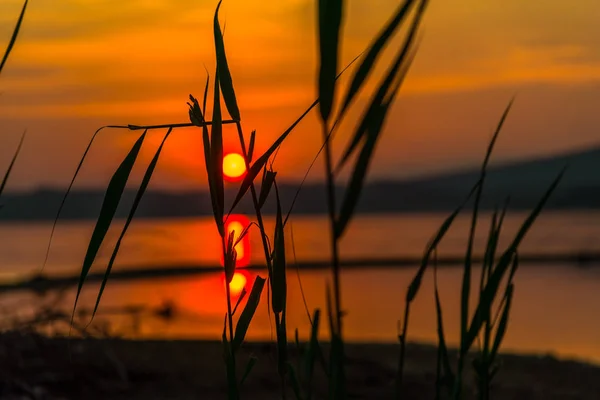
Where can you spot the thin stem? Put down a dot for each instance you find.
(334, 239)
(263, 235)
(402, 351)
(163, 126)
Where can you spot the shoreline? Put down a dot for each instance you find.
(41, 282)
(62, 368)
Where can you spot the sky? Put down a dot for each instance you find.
(82, 64)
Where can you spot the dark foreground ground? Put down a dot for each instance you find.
(34, 367)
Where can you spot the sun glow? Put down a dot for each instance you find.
(234, 166)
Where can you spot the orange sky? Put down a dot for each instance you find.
(80, 64)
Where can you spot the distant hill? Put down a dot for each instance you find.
(523, 181)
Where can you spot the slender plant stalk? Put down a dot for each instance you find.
(263, 236)
(335, 258)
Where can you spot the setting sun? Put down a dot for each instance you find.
(234, 166)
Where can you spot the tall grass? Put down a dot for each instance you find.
(296, 376)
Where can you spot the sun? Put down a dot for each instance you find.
(234, 166)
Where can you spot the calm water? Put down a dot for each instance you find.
(555, 309)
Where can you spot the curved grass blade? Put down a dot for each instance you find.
(312, 352)
(251, 363)
(491, 289)
(265, 187)
(374, 126)
(363, 71)
(401, 62)
(12, 163)
(64, 199)
(442, 348)
(278, 278)
(136, 202)
(251, 146)
(248, 313)
(258, 165)
(205, 93)
(415, 284)
(223, 70)
(112, 197)
(241, 297)
(466, 283)
(13, 38)
(503, 324)
(330, 23)
(216, 160)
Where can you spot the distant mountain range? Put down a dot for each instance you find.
(523, 181)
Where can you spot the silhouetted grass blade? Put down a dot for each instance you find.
(330, 22)
(374, 127)
(216, 158)
(265, 188)
(363, 71)
(64, 198)
(12, 163)
(312, 352)
(415, 284)
(205, 96)
(251, 146)
(251, 363)
(466, 283)
(230, 258)
(241, 297)
(258, 165)
(248, 313)
(13, 38)
(503, 324)
(401, 62)
(136, 203)
(442, 348)
(196, 115)
(111, 201)
(489, 292)
(278, 279)
(223, 70)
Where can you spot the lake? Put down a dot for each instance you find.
(555, 307)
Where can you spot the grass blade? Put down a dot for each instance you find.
(64, 198)
(503, 324)
(223, 70)
(205, 93)
(491, 289)
(466, 283)
(251, 146)
(136, 202)
(330, 23)
(265, 188)
(415, 284)
(363, 71)
(278, 279)
(12, 163)
(258, 165)
(401, 63)
(13, 38)
(216, 159)
(443, 349)
(248, 313)
(251, 363)
(312, 352)
(111, 201)
(374, 127)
